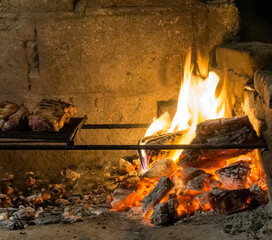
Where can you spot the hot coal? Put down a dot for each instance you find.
(234, 176)
(164, 213)
(230, 201)
(163, 186)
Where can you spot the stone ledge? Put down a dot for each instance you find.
(244, 57)
(263, 85)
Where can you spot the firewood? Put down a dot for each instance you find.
(163, 186)
(203, 199)
(230, 201)
(199, 182)
(164, 213)
(234, 176)
(190, 173)
(160, 214)
(163, 167)
(258, 194)
(203, 182)
(160, 139)
(237, 130)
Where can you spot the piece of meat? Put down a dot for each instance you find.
(16, 119)
(39, 124)
(51, 115)
(6, 109)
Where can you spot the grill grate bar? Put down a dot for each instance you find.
(134, 147)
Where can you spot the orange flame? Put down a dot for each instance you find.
(197, 103)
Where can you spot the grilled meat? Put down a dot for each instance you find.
(51, 115)
(6, 109)
(17, 119)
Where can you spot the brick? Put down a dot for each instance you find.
(244, 57)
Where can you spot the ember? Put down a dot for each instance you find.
(175, 184)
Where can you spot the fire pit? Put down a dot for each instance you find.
(120, 64)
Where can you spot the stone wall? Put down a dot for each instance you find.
(248, 70)
(113, 59)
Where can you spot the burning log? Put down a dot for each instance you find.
(164, 213)
(163, 186)
(164, 167)
(230, 201)
(203, 182)
(203, 199)
(236, 130)
(234, 176)
(190, 173)
(161, 139)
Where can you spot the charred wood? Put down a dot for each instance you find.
(163, 167)
(237, 130)
(203, 182)
(258, 194)
(203, 199)
(234, 176)
(160, 214)
(230, 201)
(160, 139)
(190, 173)
(164, 213)
(163, 186)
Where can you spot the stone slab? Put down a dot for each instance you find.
(244, 57)
(263, 85)
(133, 3)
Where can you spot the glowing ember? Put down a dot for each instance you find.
(225, 181)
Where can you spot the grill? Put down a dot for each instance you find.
(64, 139)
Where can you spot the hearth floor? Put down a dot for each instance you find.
(251, 224)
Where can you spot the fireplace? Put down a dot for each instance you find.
(121, 64)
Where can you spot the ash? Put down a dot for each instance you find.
(250, 224)
(39, 202)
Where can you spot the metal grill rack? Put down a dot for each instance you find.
(64, 139)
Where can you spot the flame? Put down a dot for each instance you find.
(198, 101)
(159, 125)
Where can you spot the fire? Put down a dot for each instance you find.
(197, 187)
(198, 101)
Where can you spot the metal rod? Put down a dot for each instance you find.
(134, 147)
(114, 126)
